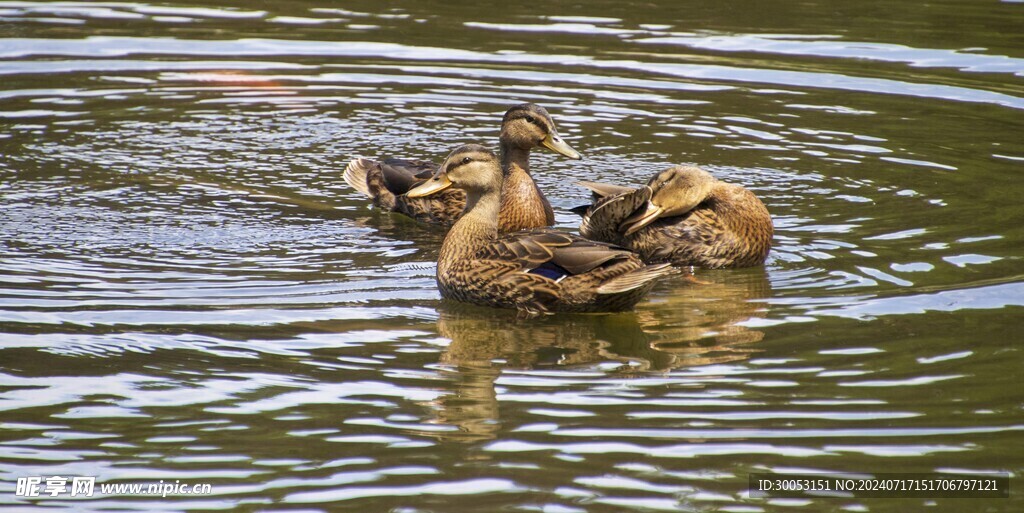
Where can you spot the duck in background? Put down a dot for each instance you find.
(533, 271)
(523, 205)
(683, 216)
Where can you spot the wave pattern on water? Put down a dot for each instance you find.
(189, 291)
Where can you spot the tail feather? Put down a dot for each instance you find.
(603, 190)
(635, 279)
(356, 172)
(580, 210)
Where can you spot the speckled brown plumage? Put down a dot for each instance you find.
(725, 225)
(387, 181)
(523, 205)
(533, 271)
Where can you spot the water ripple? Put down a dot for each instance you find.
(189, 291)
(124, 46)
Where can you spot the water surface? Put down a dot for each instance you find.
(189, 291)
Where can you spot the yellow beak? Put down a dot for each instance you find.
(641, 218)
(435, 185)
(555, 143)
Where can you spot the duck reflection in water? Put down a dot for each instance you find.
(683, 325)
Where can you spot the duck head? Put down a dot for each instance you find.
(471, 167)
(529, 126)
(674, 192)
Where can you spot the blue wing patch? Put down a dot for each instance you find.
(551, 271)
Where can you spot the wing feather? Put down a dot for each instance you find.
(603, 219)
(356, 172)
(534, 248)
(635, 279)
(602, 190)
(402, 175)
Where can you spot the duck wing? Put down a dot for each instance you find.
(544, 270)
(602, 220)
(551, 253)
(603, 190)
(528, 249)
(400, 175)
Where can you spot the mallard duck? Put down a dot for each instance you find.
(523, 206)
(534, 271)
(683, 215)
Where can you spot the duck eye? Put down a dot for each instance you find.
(467, 160)
(531, 119)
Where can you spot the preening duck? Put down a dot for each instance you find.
(684, 216)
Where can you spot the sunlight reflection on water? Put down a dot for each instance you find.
(189, 291)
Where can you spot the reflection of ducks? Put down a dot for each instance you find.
(532, 271)
(523, 206)
(482, 335)
(473, 405)
(682, 327)
(705, 323)
(682, 215)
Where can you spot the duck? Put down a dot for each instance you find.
(523, 128)
(684, 216)
(534, 271)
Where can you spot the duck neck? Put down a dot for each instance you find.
(522, 203)
(515, 161)
(477, 226)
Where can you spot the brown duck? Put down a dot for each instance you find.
(523, 206)
(683, 215)
(534, 271)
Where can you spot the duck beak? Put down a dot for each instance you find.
(435, 185)
(555, 143)
(641, 218)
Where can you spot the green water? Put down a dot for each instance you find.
(190, 292)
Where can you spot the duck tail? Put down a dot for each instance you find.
(356, 173)
(644, 276)
(580, 210)
(603, 190)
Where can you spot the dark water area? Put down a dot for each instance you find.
(190, 292)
